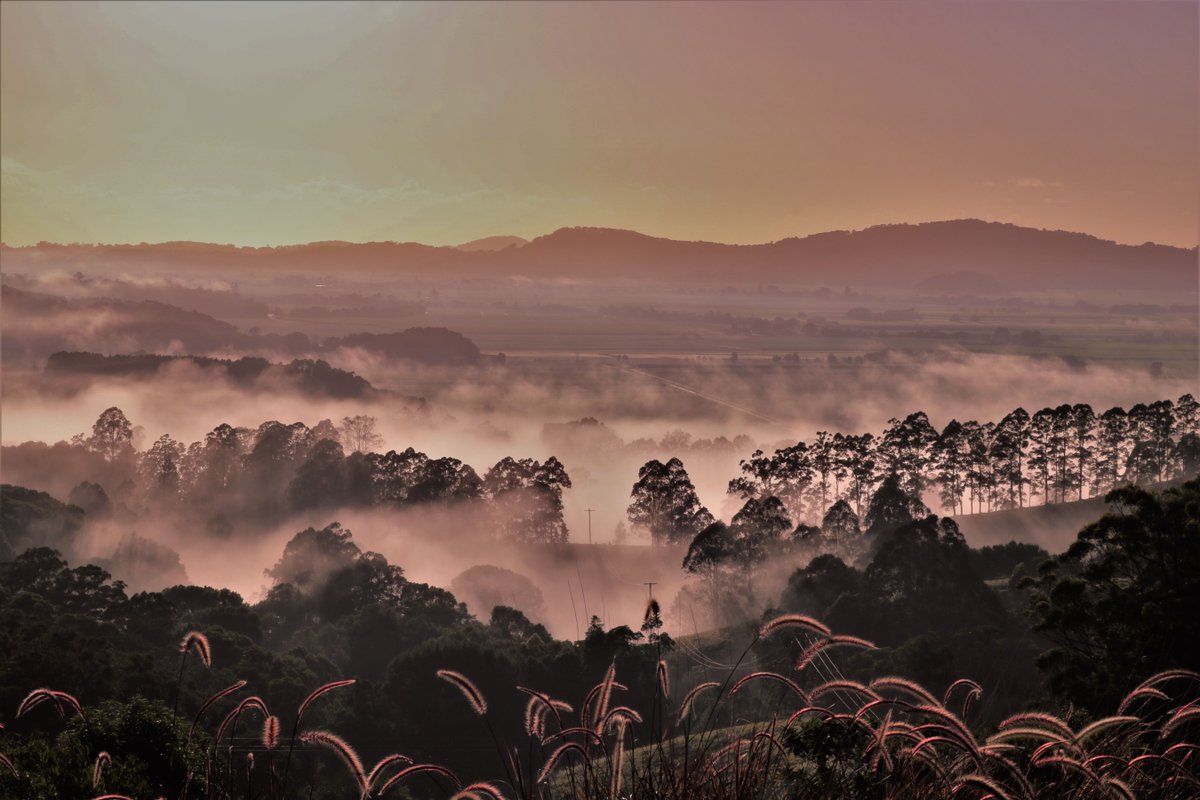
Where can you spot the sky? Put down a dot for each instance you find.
(274, 123)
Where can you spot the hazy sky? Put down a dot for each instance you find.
(739, 122)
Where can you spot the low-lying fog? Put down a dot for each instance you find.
(481, 414)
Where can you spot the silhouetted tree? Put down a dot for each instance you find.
(841, 533)
(787, 474)
(891, 507)
(358, 434)
(814, 588)
(1120, 603)
(1083, 438)
(159, 468)
(905, 451)
(1187, 416)
(312, 555)
(1041, 453)
(665, 503)
(1111, 450)
(92, 498)
(858, 456)
(758, 529)
(525, 499)
(1187, 455)
(950, 462)
(1007, 456)
(1150, 427)
(112, 435)
(320, 482)
(709, 556)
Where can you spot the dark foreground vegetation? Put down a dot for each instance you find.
(350, 680)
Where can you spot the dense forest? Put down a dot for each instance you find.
(915, 682)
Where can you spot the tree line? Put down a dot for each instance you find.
(1053, 456)
(264, 473)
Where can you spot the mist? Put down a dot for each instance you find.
(482, 414)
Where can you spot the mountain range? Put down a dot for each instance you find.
(898, 256)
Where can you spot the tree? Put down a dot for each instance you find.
(83, 590)
(511, 623)
(525, 499)
(1120, 602)
(35, 519)
(758, 529)
(920, 579)
(891, 507)
(160, 467)
(1083, 436)
(312, 555)
(392, 475)
(1150, 429)
(412, 477)
(665, 503)
(709, 556)
(858, 454)
(821, 456)
(92, 498)
(950, 460)
(1041, 452)
(905, 451)
(112, 435)
(814, 588)
(358, 434)
(151, 754)
(1059, 452)
(652, 623)
(216, 463)
(1009, 441)
(787, 475)
(1187, 455)
(270, 465)
(1111, 449)
(1187, 416)
(485, 587)
(980, 479)
(144, 564)
(841, 533)
(321, 481)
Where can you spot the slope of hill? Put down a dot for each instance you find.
(893, 256)
(492, 243)
(36, 325)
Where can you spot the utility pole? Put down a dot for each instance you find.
(650, 590)
(589, 512)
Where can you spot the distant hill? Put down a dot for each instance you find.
(426, 345)
(895, 256)
(307, 376)
(493, 243)
(34, 325)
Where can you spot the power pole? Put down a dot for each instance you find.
(589, 512)
(650, 590)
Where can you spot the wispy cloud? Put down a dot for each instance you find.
(1025, 183)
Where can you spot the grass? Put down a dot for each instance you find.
(888, 739)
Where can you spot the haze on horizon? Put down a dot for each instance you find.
(274, 123)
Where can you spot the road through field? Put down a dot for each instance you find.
(684, 388)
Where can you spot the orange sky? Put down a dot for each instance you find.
(737, 122)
